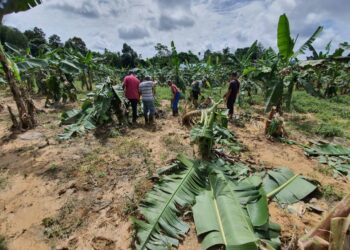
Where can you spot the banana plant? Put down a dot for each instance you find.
(286, 62)
(25, 107)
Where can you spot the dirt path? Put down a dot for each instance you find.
(79, 194)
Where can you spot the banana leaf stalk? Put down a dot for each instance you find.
(205, 138)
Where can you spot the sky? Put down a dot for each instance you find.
(195, 25)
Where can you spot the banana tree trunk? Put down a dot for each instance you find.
(84, 82)
(26, 108)
(90, 79)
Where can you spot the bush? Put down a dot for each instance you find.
(328, 130)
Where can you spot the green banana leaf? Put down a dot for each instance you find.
(14, 6)
(70, 67)
(275, 96)
(309, 42)
(223, 221)
(32, 63)
(327, 149)
(284, 41)
(335, 156)
(296, 190)
(253, 196)
(162, 227)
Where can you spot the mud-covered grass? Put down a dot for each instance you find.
(3, 245)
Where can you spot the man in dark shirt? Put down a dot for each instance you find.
(232, 93)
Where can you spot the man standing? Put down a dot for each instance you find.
(147, 92)
(196, 91)
(231, 94)
(131, 91)
(176, 97)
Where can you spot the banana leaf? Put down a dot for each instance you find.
(275, 95)
(32, 63)
(223, 221)
(253, 196)
(297, 188)
(14, 6)
(284, 41)
(327, 149)
(162, 227)
(70, 67)
(335, 156)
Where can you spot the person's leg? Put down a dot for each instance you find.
(134, 109)
(176, 103)
(152, 111)
(230, 103)
(145, 112)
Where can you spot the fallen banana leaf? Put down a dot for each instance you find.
(223, 222)
(297, 187)
(335, 156)
(162, 228)
(327, 149)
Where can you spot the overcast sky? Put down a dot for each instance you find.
(194, 25)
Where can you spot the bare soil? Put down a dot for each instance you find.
(79, 194)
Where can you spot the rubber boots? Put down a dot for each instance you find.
(152, 123)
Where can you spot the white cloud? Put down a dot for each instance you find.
(193, 24)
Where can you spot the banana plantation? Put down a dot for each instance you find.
(77, 173)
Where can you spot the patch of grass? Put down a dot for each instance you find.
(163, 93)
(66, 222)
(329, 130)
(326, 170)
(173, 144)
(331, 194)
(131, 148)
(333, 114)
(3, 180)
(3, 245)
(130, 204)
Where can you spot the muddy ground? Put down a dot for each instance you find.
(79, 194)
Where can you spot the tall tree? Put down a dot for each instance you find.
(129, 57)
(55, 41)
(76, 43)
(13, 36)
(36, 39)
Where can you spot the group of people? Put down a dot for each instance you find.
(135, 90)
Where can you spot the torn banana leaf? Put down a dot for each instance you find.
(162, 228)
(223, 221)
(327, 149)
(297, 188)
(335, 156)
(253, 197)
(234, 171)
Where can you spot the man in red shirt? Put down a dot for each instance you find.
(131, 91)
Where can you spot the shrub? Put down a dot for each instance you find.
(328, 130)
